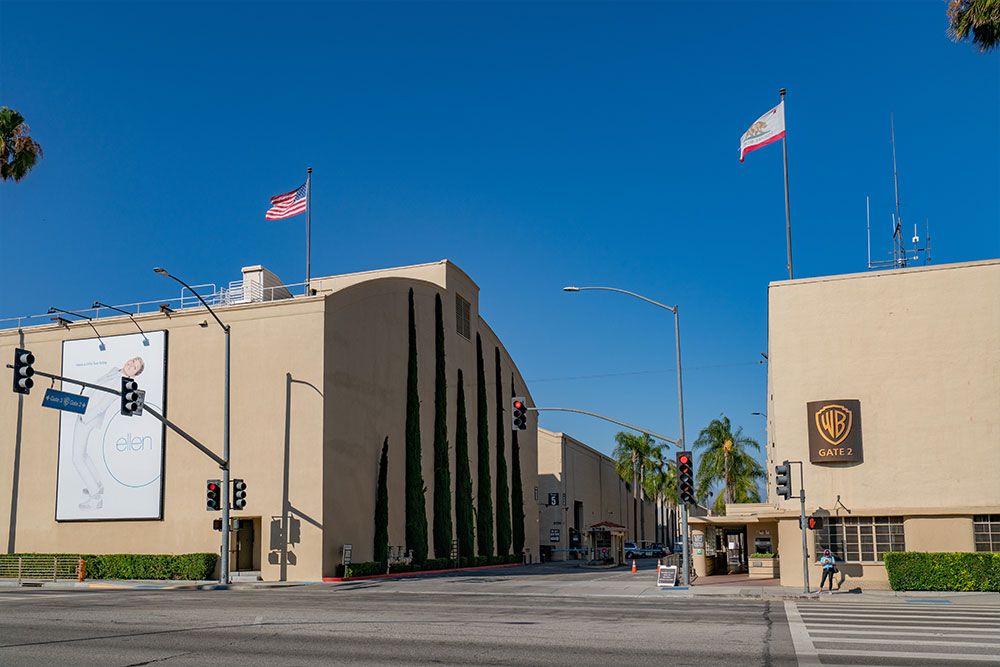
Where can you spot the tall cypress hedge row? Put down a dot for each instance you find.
(484, 518)
(381, 545)
(442, 468)
(503, 491)
(464, 523)
(416, 510)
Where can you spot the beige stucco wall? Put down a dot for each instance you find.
(318, 383)
(582, 474)
(267, 342)
(920, 348)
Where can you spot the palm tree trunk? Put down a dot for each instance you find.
(642, 505)
(727, 495)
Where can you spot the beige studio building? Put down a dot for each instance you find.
(318, 383)
(886, 385)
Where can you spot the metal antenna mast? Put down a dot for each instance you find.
(898, 249)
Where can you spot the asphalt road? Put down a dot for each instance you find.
(384, 623)
(521, 616)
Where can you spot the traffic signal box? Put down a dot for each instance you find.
(23, 359)
(814, 522)
(132, 398)
(213, 493)
(685, 477)
(239, 494)
(783, 478)
(519, 413)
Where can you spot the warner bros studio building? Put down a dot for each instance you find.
(319, 382)
(886, 386)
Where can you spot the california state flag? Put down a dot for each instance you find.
(766, 130)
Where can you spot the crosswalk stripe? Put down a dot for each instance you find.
(922, 632)
(909, 642)
(861, 617)
(924, 628)
(910, 655)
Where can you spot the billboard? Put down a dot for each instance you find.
(111, 466)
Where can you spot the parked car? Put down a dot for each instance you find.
(646, 550)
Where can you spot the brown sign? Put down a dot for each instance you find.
(834, 431)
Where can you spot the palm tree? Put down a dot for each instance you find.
(18, 151)
(727, 458)
(631, 454)
(975, 19)
(661, 484)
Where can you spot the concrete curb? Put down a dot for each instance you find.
(394, 575)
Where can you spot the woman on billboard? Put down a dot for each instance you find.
(97, 408)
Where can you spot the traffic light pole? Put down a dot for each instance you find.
(224, 555)
(686, 548)
(803, 527)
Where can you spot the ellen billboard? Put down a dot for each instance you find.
(110, 465)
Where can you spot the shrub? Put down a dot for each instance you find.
(361, 569)
(192, 567)
(917, 571)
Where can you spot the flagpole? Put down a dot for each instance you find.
(309, 172)
(788, 214)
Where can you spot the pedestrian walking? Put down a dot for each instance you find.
(829, 564)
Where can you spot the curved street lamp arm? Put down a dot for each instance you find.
(640, 429)
(164, 272)
(672, 309)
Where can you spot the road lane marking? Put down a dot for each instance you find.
(805, 651)
(909, 655)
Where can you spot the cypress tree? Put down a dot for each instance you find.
(484, 509)
(463, 479)
(442, 468)
(382, 507)
(516, 488)
(503, 491)
(416, 510)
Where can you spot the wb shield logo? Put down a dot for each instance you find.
(834, 423)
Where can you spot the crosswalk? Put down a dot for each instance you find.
(829, 632)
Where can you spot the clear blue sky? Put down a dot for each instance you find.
(535, 145)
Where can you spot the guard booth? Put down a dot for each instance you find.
(607, 543)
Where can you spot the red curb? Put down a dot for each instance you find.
(413, 574)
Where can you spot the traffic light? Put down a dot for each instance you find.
(132, 397)
(685, 478)
(814, 522)
(213, 501)
(519, 413)
(239, 494)
(23, 371)
(783, 478)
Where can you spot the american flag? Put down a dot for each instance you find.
(288, 204)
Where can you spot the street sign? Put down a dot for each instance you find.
(555, 534)
(61, 400)
(553, 499)
(666, 575)
(347, 554)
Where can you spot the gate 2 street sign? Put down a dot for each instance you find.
(61, 400)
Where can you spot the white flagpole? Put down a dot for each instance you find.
(788, 215)
(309, 172)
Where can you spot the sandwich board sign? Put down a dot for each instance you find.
(666, 575)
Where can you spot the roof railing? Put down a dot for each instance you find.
(236, 293)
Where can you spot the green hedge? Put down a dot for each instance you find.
(916, 571)
(370, 568)
(192, 567)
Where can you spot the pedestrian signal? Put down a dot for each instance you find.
(23, 359)
(814, 522)
(519, 413)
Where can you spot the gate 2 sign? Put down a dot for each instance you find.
(834, 431)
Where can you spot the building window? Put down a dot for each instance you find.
(862, 539)
(463, 317)
(986, 531)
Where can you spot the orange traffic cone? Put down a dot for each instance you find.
(633, 566)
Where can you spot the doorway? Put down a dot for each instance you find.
(244, 555)
(735, 543)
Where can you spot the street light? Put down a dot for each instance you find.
(224, 556)
(680, 398)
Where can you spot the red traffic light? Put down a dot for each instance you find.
(212, 487)
(518, 405)
(684, 459)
